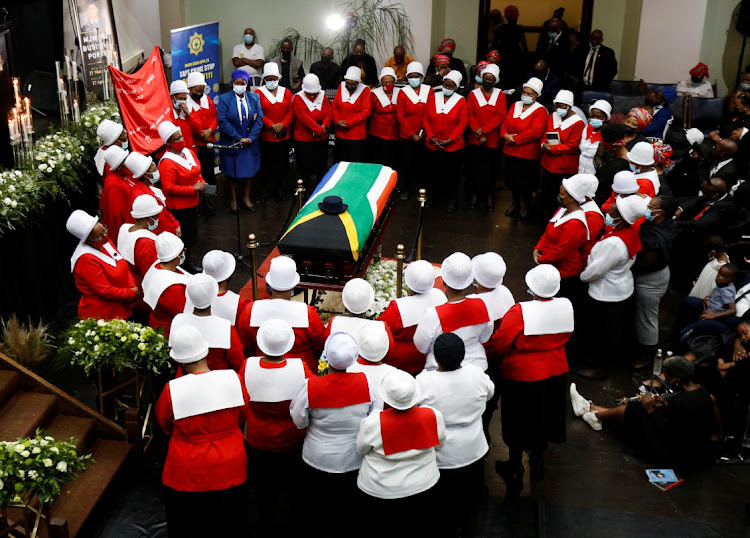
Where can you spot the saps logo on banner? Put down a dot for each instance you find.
(196, 48)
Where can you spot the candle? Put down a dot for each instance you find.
(57, 69)
(16, 91)
(75, 71)
(67, 67)
(76, 111)
(27, 105)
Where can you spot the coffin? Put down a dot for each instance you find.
(340, 239)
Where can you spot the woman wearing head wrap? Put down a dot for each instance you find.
(278, 116)
(350, 110)
(510, 42)
(446, 48)
(636, 121)
(445, 121)
(383, 127)
(206, 465)
(438, 68)
(312, 113)
(532, 339)
(475, 78)
(486, 113)
(599, 114)
(101, 274)
(698, 85)
(522, 133)
(410, 110)
(240, 121)
(610, 284)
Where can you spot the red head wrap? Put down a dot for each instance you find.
(642, 115)
(663, 154)
(440, 59)
(700, 69)
(493, 56)
(447, 45)
(511, 10)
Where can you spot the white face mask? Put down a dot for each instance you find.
(526, 100)
(154, 226)
(272, 84)
(239, 89)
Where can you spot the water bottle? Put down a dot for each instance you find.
(659, 361)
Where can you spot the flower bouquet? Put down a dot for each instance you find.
(92, 117)
(20, 197)
(97, 344)
(59, 159)
(382, 277)
(37, 465)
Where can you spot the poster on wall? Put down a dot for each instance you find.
(97, 37)
(144, 102)
(196, 48)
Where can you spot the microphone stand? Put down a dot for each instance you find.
(233, 147)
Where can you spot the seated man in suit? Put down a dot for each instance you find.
(594, 64)
(722, 164)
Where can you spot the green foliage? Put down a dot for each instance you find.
(25, 344)
(37, 465)
(97, 344)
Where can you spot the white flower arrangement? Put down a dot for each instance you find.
(96, 344)
(382, 277)
(93, 116)
(42, 471)
(21, 195)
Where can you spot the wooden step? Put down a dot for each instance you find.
(24, 413)
(8, 384)
(62, 427)
(78, 499)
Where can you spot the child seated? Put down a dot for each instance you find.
(705, 283)
(718, 308)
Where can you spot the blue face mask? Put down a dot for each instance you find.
(657, 108)
(595, 47)
(182, 258)
(415, 82)
(745, 86)
(154, 226)
(552, 35)
(124, 145)
(596, 123)
(447, 92)
(249, 39)
(155, 176)
(526, 100)
(649, 215)
(609, 221)
(478, 79)
(239, 89)
(633, 168)
(561, 112)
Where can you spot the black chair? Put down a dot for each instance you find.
(678, 111)
(655, 86)
(589, 96)
(625, 87)
(621, 104)
(706, 113)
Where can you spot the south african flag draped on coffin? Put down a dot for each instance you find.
(365, 188)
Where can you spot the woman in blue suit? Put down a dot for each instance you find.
(240, 120)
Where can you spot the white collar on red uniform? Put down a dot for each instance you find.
(274, 99)
(424, 93)
(312, 105)
(111, 256)
(193, 106)
(351, 98)
(156, 280)
(411, 308)
(216, 331)
(442, 106)
(519, 112)
(384, 100)
(553, 316)
(198, 394)
(293, 312)
(184, 159)
(482, 100)
(561, 217)
(273, 384)
(563, 124)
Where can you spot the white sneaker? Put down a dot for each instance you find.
(590, 419)
(580, 404)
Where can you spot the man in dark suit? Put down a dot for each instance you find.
(722, 164)
(327, 70)
(552, 82)
(554, 47)
(594, 64)
(362, 60)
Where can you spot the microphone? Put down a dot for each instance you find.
(219, 146)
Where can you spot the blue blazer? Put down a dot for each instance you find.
(242, 162)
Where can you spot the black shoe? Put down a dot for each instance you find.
(513, 477)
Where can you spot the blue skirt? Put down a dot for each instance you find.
(242, 162)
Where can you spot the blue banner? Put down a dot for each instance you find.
(196, 48)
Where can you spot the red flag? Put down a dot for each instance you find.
(144, 102)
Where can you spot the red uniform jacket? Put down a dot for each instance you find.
(410, 115)
(201, 119)
(171, 302)
(354, 114)
(144, 255)
(561, 247)
(115, 201)
(488, 118)
(595, 222)
(383, 122)
(274, 113)
(402, 354)
(105, 290)
(308, 341)
(528, 358)
(529, 131)
(269, 424)
(206, 452)
(563, 157)
(177, 182)
(309, 123)
(443, 126)
(187, 131)
(167, 222)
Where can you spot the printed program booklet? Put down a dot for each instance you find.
(664, 479)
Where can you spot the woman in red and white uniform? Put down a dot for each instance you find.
(373, 342)
(145, 175)
(487, 110)
(641, 159)
(600, 113)
(445, 121)
(402, 315)
(101, 274)
(137, 242)
(278, 116)
(309, 331)
(522, 133)
(225, 348)
(178, 92)
(383, 127)
(332, 407)
(399, 463)
(181, 181)
(228, 305)
(312, 113)
(350, 110)
(410, 109)
(565, 236)
(358, 297)
(533, 372)
(203, 413)
(594, 215)
(203, 124)
(111, 134)
(560, 156)
(114, 201)
(274, 443)
(164, 283)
